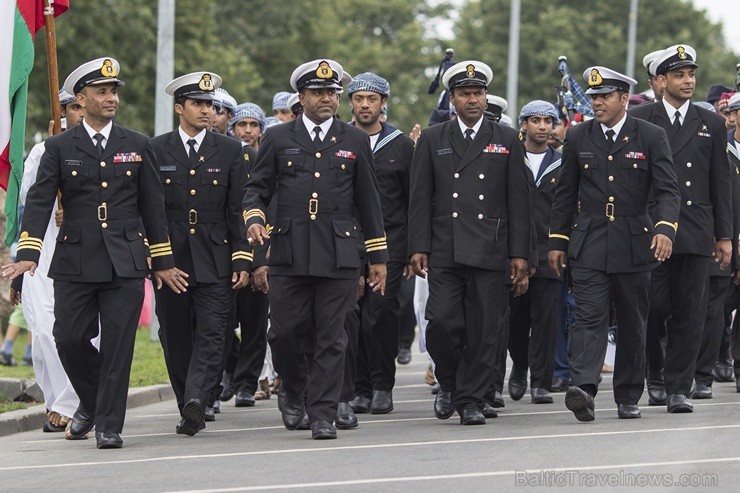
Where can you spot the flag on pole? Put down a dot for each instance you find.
(20, 20)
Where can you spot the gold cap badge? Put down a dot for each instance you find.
(108, 70)
(595, 78)
(324, 71)
(470, 70)
(681, 52)
(206, 83)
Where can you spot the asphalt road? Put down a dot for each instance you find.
(528, 447)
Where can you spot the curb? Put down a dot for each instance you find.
(33, 418)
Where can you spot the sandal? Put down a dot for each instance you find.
(275, 387)
(263, 391)
(55, 422)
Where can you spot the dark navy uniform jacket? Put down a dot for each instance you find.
(111, 205)
(203, 202)
(316, 188)
(600, 211)
(543, 192)
(469, 205)
(699, 153)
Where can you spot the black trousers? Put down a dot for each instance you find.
(303, 309)
(593, 290)
(407, 318)
(379, 331)
(252, 308)
(678, 295)
(100, 378)
(714, 327)
(499, 362)
(352, 358)
(192, 331)
(464, 311)
(537, 309)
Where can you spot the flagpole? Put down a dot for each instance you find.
(51, 58)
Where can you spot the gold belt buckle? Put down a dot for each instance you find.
(313, 206)
(103, 212)
(192, 216)
(610, 211)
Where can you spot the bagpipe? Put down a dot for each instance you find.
(571, 99)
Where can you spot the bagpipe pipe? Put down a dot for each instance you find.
(572, 101)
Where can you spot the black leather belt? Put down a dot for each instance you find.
(100, 213)
(612, 210)
(194, 217)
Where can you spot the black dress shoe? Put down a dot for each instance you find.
(304, 424)
(216, 406)
(108, 440)
(679, 403)
(382, 402)
(541, 396)
(209, 415)
(404, 356)
(489, 411)
(498, 400)
(346, 418)
(628, 411)
(559, 384)
(244, 399)
(471, 416)
(82, 422)
(293, 413)
(436, 388)
(443, 407)
(360, 404)
(227, 383)
(323, 430)
(702, 391)
(656, 389)
(581, 403)
(723, 371)
(193, 418)
(517, 384)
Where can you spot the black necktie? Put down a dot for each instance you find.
(469, 135)
(610, 135)
(677, 123)
(317, 137)
(99, 143)
(191, 152)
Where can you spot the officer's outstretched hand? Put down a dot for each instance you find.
(723, 253)
(663, 247)
(257, 234)
(18, 268)
(556, 259)
(239, 279)
(376, 278)
(174, 278)
(420, 264)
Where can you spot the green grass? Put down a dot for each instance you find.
(148, 367)
(7, 406)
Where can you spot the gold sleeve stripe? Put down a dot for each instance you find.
(160, 248)
(375, 240)
(269, 229)
(30, 241)
(254, 213)
(242, 255)
(163, 253)
(29, 247)
(157, 245)
(562, 237)
(672, 225)
(376, 248)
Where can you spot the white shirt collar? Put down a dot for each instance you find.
(325, 126)
(617, 128)
(185, 138)
(671, 110)
(105, 131)
(475, 127)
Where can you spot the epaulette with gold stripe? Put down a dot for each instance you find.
(26, 242)
(375, 244)
(160, 249)
(242, 255)
(254, 213)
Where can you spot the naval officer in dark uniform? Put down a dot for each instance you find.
(322, 169)
(203, 176)
(113, 204)
(469, 214)
(611, 165)
(679, 287)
